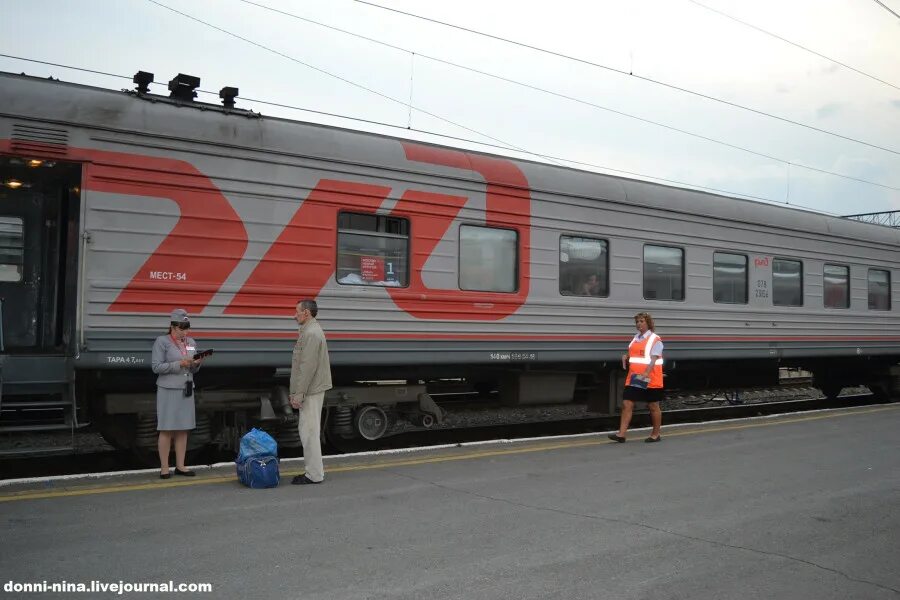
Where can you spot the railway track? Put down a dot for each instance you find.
(468, 424)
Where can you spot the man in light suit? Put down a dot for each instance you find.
(310, 378)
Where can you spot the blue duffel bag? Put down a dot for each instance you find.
(259, 472)
(257, 463)
(257, 442)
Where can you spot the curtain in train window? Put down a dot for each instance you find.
(583, 266)
(837, 286)
(787, 282)
(729, 278)
(12, 248)
(663, 273)
(372, 250)
(488, 259)
(879, 289)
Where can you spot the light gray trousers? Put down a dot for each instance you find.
(309, 425)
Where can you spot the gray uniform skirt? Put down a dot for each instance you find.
(174, 412)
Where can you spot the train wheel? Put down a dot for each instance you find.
(117, 430)
(370, 422)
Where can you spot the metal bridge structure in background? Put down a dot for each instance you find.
(891, 218)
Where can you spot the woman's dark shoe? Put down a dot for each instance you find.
(165, 475)
(185, 473)
(616, 438)
(651, 440)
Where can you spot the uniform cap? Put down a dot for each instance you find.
(179, 315)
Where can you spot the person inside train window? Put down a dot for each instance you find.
(591, 287)
(583, 266)
(644, 381)
(173, 362)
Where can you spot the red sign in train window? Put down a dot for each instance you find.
(371, 268)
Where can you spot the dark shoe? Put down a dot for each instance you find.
(651, 440)
(185, 473)
(615, 437)
(302, 480)
(165, 475)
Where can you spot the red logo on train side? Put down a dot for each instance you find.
(277, 281)
(209, 239)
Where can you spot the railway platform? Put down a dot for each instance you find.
(794, 506)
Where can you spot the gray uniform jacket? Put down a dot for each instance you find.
(310, 367)
(167, 359)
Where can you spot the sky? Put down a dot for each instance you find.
(596, 108)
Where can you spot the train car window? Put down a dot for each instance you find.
(372, 250)
(837, 286)
(663, 273)
(12, 248)
(488, 259)
(583, 266)
(787, 282)
(879, 289)
(729, 278)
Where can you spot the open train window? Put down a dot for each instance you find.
(372, 250)
(12, 248)
(583, 266)
(879, 289)
(488, 259)
(836, 281)
(787, 282)
(663, 273)
(729, 278)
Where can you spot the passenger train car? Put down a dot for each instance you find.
(428, 263)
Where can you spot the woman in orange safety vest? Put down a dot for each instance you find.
(644, 382)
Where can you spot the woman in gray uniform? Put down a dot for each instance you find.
(173, 362)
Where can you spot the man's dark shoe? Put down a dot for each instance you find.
(302, 480)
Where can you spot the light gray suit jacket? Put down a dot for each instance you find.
(166, 362)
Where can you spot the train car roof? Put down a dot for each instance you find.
(543, 177)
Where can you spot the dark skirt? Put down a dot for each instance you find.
(636, 394)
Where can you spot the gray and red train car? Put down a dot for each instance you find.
(430, 264)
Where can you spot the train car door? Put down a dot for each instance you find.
(38, 255)
(20, 269)
(39, 211)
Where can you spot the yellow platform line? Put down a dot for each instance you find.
(386, 464)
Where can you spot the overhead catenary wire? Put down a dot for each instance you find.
(886, 7)
(569, 98)
(445, 136)
(631, 75)
(795, 44)
(344, 79)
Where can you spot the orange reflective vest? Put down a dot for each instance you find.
(639, 358)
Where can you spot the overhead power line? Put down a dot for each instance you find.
(794, 44)
(632, 75)
(344, 79)
(567, 97)
(887, 8)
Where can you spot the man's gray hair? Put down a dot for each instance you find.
(309, 305)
